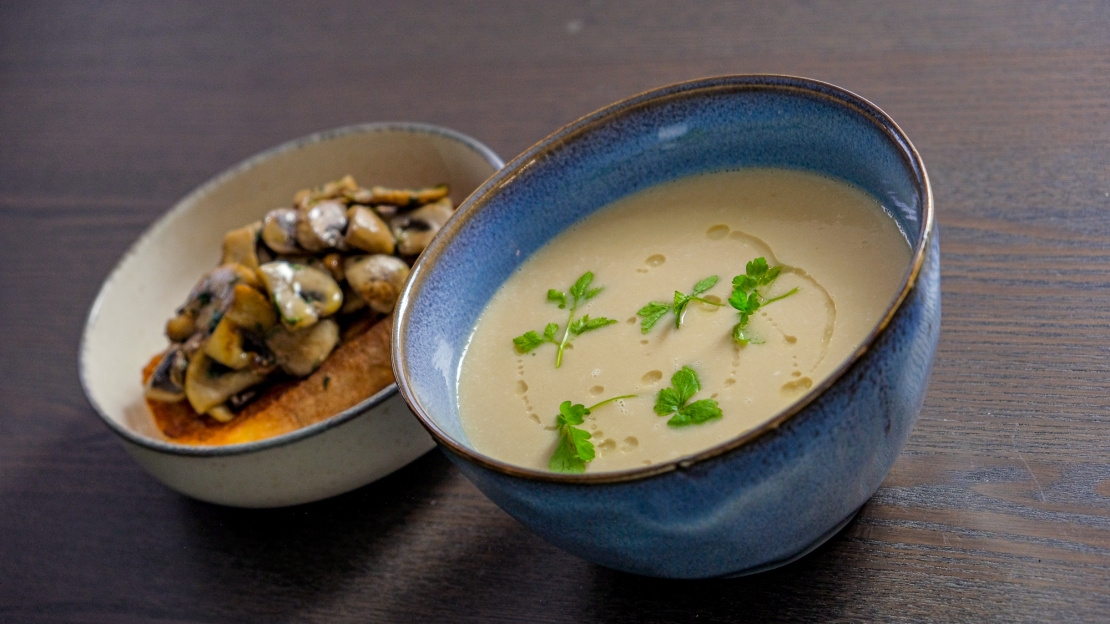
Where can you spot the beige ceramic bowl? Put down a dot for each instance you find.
(125, 326)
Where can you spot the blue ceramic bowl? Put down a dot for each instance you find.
(770, 495)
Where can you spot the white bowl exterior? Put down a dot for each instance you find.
(335, 461)
(125, 326)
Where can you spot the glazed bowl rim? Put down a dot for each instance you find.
(186, 203)
(568, 134)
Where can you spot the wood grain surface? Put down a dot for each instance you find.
(998, 510)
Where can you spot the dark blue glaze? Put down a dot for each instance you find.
(760, 499)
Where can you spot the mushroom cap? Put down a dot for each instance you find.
(377, 278)
(167, 382)
(241, 246)
(321, 226)
(415, 230)
(302, 294)
(279, 230)
(207, 386)
(366, 231)
(300, 352)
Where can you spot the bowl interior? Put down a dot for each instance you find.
(125, 326)
(702, 126)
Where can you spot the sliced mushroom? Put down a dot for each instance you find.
(244, 275)
(265, 254)
(251, 310)
(279, 230)
(238, 348)
(249, 314)
(415, 230)
(214, 286)
(194, 344)
(386, 211)
(321, 226)
(210, 298)
(180, 327)
(330, 190)
(360, 195)
(301, 293)
(367, 231)
(221, 412)
(167, 383)
(309, 261)
(208, 384)
(333, 262)
(299, 352)
(378, 279)
(241, 246)
(352, 302)
(407, 197)
(225, 345)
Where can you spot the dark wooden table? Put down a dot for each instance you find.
(998, 510)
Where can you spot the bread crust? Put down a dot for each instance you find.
(356, 370)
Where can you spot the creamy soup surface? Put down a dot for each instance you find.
(835, 244)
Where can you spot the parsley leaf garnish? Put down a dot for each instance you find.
(574, 449)
(681, 300)
(557, 297)
(746, 298)
(673, 400)
(696, 413)
(655, 310)
(652, 312)
(586, 324)
(579, 292)
(531, 340)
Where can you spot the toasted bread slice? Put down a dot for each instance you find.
(358, 368)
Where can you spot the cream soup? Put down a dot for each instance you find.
(834, 243)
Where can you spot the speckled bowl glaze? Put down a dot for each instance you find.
(125, 326)
(768, 496)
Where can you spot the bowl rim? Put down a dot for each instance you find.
(555, 141)
(183, 204)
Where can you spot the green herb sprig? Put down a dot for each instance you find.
(656, 310)
(575, 449)
(579, 292)
(673, 400)
(746, 298)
